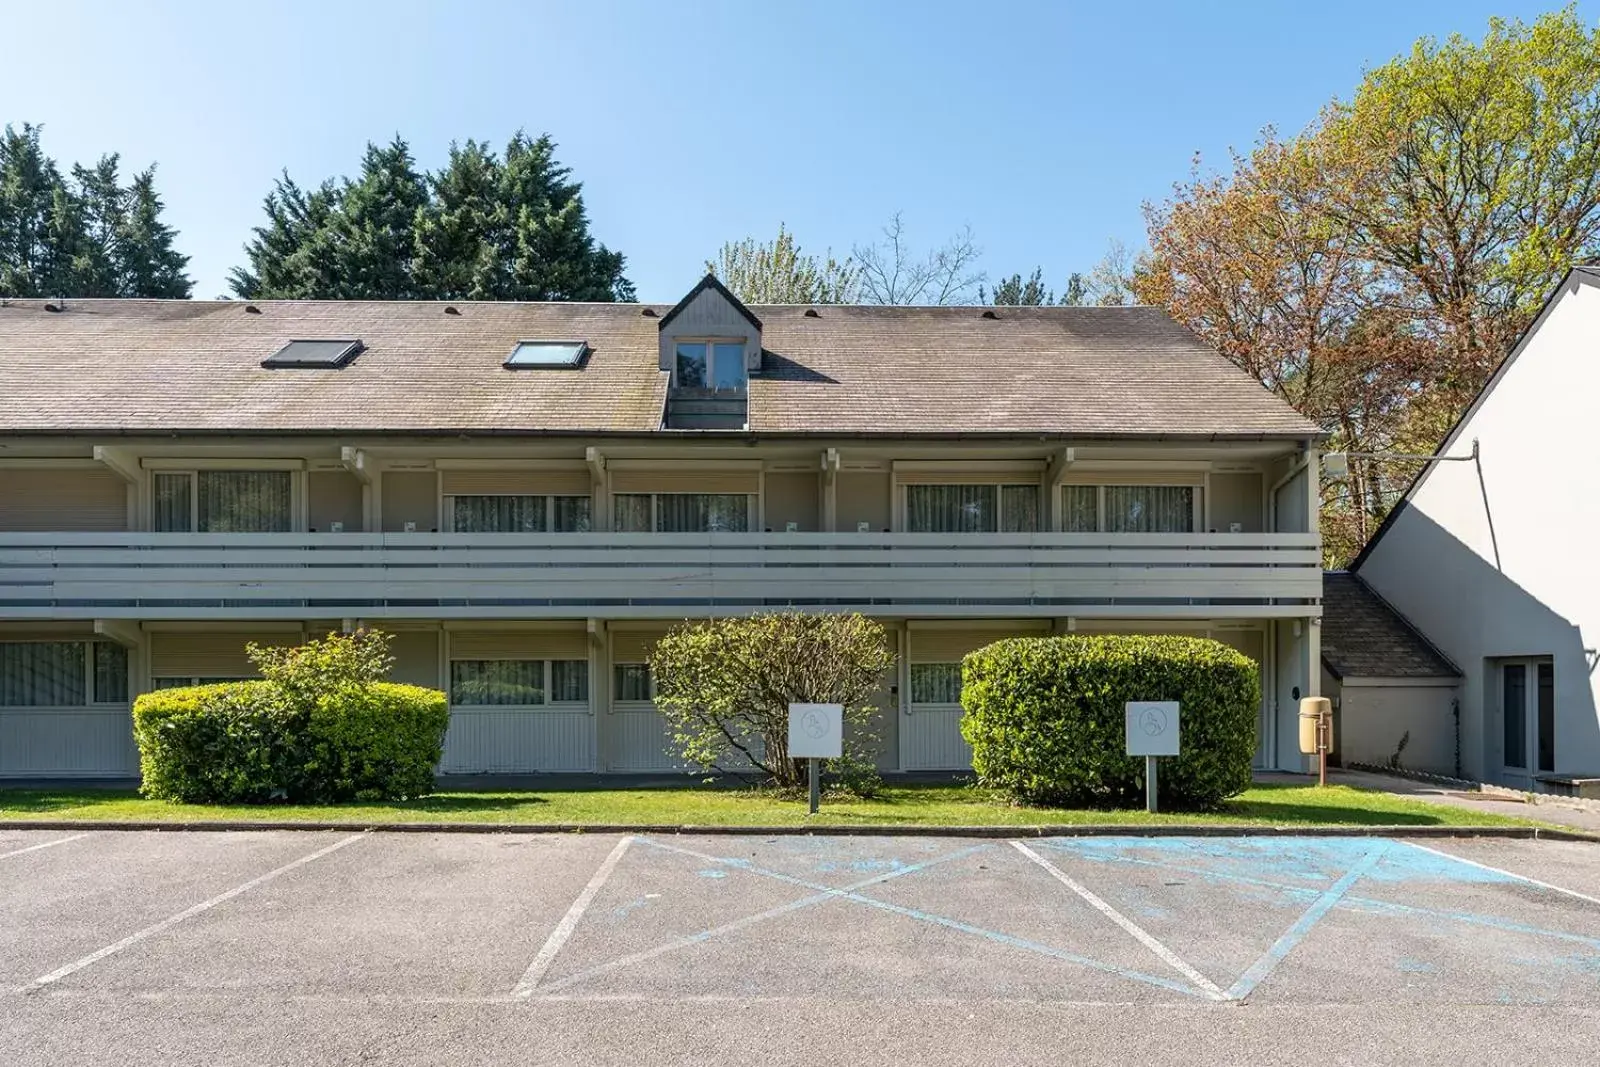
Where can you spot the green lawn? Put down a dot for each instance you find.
(919, 805)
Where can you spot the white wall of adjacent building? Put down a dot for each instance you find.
(1503, 574)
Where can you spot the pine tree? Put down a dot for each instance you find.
(87, 236)
(1016, 292)
(483, 227)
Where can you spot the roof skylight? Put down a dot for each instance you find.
(314, 353)
(547, 354)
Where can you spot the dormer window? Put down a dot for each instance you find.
(711, 364)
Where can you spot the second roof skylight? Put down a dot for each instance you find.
(547, 354)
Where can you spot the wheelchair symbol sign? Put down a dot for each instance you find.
(1152, 727)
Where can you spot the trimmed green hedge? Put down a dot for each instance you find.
(253, 742)
(1045, 717)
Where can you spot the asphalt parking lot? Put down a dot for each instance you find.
(316, 947)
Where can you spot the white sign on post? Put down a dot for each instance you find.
(1152, 727)
(816, 731)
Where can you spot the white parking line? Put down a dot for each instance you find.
(569, 922)
(1509, 874)
(188, 913)
(47, 844)
(1167, 956)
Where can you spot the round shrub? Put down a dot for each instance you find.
(1045, 717)
(319, 727)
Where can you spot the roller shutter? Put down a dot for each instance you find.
(633, 646)
(948, 646)
(209, 655)
(680, 481)
(516, 483)
(519, 644)
(62, 500)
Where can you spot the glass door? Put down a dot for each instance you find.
(1527, 721)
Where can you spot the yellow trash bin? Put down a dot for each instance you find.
(1313, 710)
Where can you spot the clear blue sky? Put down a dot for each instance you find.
(1043, 126)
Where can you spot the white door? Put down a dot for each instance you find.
(1526, 714)
(930, 739)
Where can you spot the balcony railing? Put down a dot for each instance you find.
(435, 576)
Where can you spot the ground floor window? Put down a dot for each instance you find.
(936, 683)
(681, 512)
(180, 681)
(518, 682)
(632, 682)
(62, 674)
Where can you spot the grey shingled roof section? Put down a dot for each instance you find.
(136, 365)
(1363, 636)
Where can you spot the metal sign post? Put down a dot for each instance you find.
(816, 733)
(1151, 731)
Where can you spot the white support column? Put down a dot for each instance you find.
(830, 489)
(120, 461)
(599, 488)
(1054, 474)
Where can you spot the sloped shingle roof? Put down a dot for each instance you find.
(135, 365)
(1364, 637)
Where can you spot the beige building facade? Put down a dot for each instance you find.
(527, 528)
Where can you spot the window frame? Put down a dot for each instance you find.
(91, 691)
(449, 509)
(296, 493)
(709, 344)
(1196, 502)
(546, 688)
(187, 680)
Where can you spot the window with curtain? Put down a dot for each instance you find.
(43, 674)
(519, 514)
(936, 683)
(110, 673)
(244, 502)
(1127, 508)
(181, 682)
(223, 502)
(569, 681)
(630, 513)
(174, 503)
(1080, 508)
(497, 682)
(498, 514)
(631, 681)
(571, 514)
(972, 508)
(681, 512)
(1149, 508)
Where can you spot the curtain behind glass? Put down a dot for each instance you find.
(498, 514)
(110, 673)
(702, 513)
(1080, 509)
(951, 508)
(1149, 509)
(630, 513)
(42, 674)
(569, 681)
(497, 682)
(1019, 509)
(173, 500)
(632, 681)
(572, 514)
(244, 501)
(936, 683)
